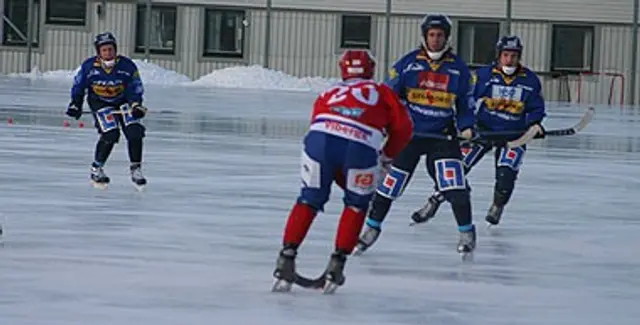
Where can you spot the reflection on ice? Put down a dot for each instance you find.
(199, 245)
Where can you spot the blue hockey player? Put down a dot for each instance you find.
(508, 99)
(435, 86)
(114, 96)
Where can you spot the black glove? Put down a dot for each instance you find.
(138, 111)
(74, 110)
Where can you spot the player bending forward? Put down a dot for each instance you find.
(115, 98)
(436, 86)
(508, 99)
(348, 127)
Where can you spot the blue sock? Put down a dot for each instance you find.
(465, 228)
(374, 224)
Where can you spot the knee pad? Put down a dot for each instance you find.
(112, 136)
(134, 131)
(505, 180)
(393, 183)
(449, 174)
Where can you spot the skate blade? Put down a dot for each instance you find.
(329, 288)
(139, 188)
(466, 256)
(100, 186)
(281, 286)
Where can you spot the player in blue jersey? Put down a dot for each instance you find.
(508, 99)
(435, 86)
(114, 93)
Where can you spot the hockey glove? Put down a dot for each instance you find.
(538, 128)
(385, 164)
(468, 134)
(74, 110)
(138, 111)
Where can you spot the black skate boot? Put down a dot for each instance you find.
(428, 211)
(335, 272)
(467, 243)
(369, 236)
(98, 177)
(494, 214)
(136, 176)
(285, 272)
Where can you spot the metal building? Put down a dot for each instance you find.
(582, 48)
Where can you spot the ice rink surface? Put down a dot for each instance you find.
(199, 245)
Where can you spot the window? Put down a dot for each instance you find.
(14, 24)
(224, 33)
(163, 29)
(572, 48)
(477, 42)
(355, 32)
(66, 12)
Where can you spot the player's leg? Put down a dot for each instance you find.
(135, 132)
(362, 173)
(107, 126)
(508, 163)
(317, 172)
(390, 188)
(445, 166)
(472, 153)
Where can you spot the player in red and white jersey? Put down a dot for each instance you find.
(357, 127)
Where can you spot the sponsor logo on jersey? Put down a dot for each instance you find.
(506, 99)
(434, 98)
(347, 111)
(107, 89)
(433, 80)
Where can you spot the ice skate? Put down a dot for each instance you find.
(369, 236)
(335, 272)
(98, 178)
(285, 272)
(137, 178)
(493, 215)
(467, 243)
(428, 211)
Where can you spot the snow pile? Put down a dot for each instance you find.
(257, 77)
(247, 77)
(151, 74)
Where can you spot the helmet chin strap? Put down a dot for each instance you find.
(435, 55)
(509, 70)
(108, 63)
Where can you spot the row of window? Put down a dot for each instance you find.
(572, 46)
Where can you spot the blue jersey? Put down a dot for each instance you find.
(117, 85)
(507, 103)
(437, 94)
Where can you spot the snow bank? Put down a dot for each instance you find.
(257, 77)
(251, 77)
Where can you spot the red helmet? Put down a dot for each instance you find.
(357, 64)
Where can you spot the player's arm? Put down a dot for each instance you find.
(395, 78)
(78, 90)
(465, 104)
(400, 126)
(534, 106)
(134, 93)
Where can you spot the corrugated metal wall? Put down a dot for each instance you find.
(306, 43)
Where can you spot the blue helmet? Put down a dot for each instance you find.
(509, 43)
(103, 39)
(436, 21)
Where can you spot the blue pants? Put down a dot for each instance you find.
(324, 156)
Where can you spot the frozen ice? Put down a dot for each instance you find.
(199, 245)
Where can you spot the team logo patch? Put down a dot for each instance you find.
(450, 175)
(393, 183)
(471, 153)
(511, 158)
